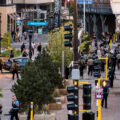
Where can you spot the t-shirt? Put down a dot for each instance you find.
(16, 103)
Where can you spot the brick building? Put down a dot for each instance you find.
(99, 17)
(8, 16)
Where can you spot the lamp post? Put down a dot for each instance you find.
(30, 40)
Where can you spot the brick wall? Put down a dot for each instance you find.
(5, 10)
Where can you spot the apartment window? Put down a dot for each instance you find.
(2, 2)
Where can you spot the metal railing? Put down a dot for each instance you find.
(95, 10)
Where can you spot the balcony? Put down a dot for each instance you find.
(94, 10)
(32, 1)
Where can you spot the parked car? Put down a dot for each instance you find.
(21, 60)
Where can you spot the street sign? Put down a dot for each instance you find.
(86, 1)
(40, 31)
(99, 93)
(37, 23)
(18, 22)
(75, 74)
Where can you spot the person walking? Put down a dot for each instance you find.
(39, 48)
(22, 47)
(111, 74)
(33, 47)
(105, 96)
(25, 53)
(14, 69)
(11, 54)
(15, 108)
(1, 63)
(90, 64)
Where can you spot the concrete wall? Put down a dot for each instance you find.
(5, 10)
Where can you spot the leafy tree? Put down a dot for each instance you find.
(84, 46)
(6, 40)
(38, 80)
(56, 46)
(71, 8)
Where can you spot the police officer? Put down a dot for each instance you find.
(15, 105)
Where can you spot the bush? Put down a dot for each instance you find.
(6, 54)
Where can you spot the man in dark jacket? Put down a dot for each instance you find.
(111, 74)
(105, 96)
(39, 48)
(14, 69)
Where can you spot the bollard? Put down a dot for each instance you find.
(31, 111)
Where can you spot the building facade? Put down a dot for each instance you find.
(99, 18)
(8, 16)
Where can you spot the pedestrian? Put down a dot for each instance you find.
(81, 67)
(111, 74)
(66, 72)
(11, 54)
(39, 48)
(90, 64)
(105, 96)
(25, 53)
(22, 47)
(15, 108)
(14, 69)
(33, 47)
(1, 63)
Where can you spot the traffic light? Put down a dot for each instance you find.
(68, 1)
(68, 36)
(97, 68)
(88, 116)
(87, 96)
(73, 97)
(105, 83)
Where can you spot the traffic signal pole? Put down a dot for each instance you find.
(99, 82)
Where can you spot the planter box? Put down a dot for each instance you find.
(67, 82)
(39, 117)
(63, 91)
(55, 106)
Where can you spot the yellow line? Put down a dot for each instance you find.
(83, 110)
(83, 82)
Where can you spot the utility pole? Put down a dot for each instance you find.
(75, 41)
(84, 16)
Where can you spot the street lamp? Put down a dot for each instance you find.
(30, 39)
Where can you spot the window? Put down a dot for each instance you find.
(2, 2)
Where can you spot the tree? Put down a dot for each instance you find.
(38, 81)
(84, 46)
(5, 43)
(56, 46)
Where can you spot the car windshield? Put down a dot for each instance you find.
(21, 60)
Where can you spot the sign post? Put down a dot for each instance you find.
(84, 2)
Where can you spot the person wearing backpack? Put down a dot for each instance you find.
(15, 108)
(14, 69)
